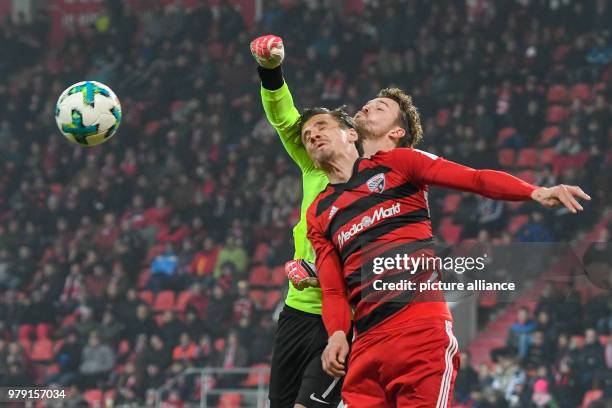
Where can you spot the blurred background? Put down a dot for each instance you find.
(149, 271)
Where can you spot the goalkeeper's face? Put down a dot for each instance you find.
(324, 138)
(377, 118)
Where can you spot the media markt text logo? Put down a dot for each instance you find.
(380, 214)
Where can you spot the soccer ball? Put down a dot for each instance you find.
(88, 113)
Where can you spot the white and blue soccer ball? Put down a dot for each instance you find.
(88, 113)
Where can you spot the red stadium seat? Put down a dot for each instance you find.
(182, 300)
(278, 277)
(517, 222)
(26, 344)
(152, 127)
(154, 251)
(259, 276)
(271, 299)
(581, 92)
(560, 52)
(164, 301)
(557, 94)
(25, 331)
(548, 134)
(591, 396)
(442, 117)
(506, 157)
(143, 278)
(450, 232)
(261, 253)
(487, 299)
(451, 203)
(504, 134)
(146, 296)
(93, 397)
(527, 158)
(257, 295)
(578, 340)
(547, 156)
(42, 351)
(514, 205)
(229, 400)
(556, 114)
(253, 379)
(527, 175)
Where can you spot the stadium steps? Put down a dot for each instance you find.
(494, 334)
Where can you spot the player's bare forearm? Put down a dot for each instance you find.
(333, 358)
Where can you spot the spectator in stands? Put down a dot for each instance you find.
(143, 323)
(534, 230)
(163, 270)
(186, 350)
(198, 301)
(234, 253)
(85, 324)
(68, 359)
(590, 359)
(507, 375)
(97, 360)
(538, 353)
(567, 390)
(519, 334)
(111, 330)
(204, 261)
(548, 330)
(219, 312)
(467, 379)
(157, 353)
(541, 397)
(170, 326)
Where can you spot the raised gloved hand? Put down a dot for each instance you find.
(302, 274)
(268, 51)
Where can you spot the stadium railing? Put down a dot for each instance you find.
(252, 391)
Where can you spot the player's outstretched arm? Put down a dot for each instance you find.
(498, 185)
(269, 52)
(336, 311)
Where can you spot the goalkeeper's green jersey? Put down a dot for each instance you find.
(283, 116)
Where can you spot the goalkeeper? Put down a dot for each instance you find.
(297, 378)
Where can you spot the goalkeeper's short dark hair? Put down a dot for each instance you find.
(408, 118)
(344, 120)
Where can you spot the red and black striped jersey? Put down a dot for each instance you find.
(383, 206)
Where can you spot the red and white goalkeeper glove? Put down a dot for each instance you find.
(268, 51)
(302, 274)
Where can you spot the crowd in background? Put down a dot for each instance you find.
(196, 180)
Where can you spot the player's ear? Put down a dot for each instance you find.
(352, 135)
(396, 134)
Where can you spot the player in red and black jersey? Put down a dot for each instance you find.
(404, 352)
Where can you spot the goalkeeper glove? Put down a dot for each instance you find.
(302, 274)
(268, 51)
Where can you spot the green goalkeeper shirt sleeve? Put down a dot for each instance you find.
(283, 116)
